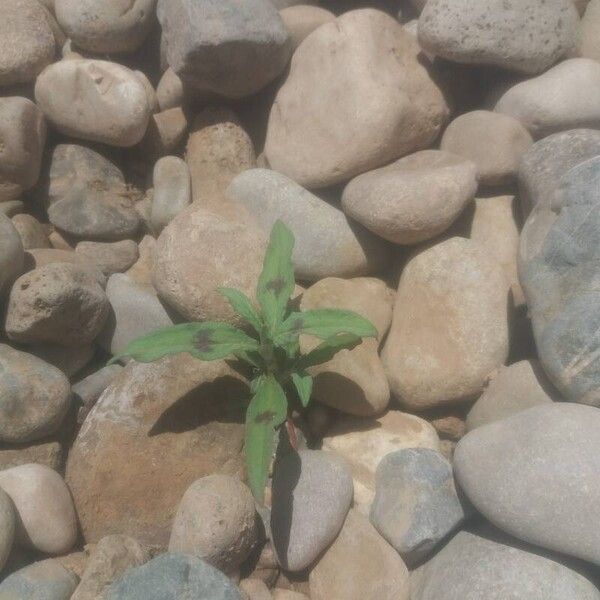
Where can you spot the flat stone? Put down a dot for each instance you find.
(12, 256)
(44, 580)
(301, 482)
(413, 199)
(109, 257)
(8, 524)
(327, 243)
(416, 504)
(354, 116)
(172, 191)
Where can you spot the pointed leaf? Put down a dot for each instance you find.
(243, 307)
(267, 411)
(304, 385)
(325, 351)
(276, 282)
(207, 341)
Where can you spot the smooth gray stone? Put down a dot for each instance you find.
(45, 580)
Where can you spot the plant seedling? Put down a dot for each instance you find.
(270, 347)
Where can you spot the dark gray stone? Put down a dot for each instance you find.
(45, 580)
(227, 47)
(559, 264)
(173, 577)
(416, 504)
(535, 476)
(472, 567)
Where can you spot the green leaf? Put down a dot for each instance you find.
(304, 385)
(243, 307)
(276, 282)
(328, 349)
(207, 341)
(325, 323)
(267, 411)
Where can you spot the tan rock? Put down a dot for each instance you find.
(33, 233)
(589, 40)
(141, 271)
(200, 251)
(109, 257)
(47, 454)
(160, 426)
(303, 19)
(365, 100)
(359, 565)
(255, 589)
(166, 132)
(450, 326)
(12, 257)
(169, 91)
(364, 442)
(413, 199)
(288, 595)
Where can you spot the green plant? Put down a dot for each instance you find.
(270, 347)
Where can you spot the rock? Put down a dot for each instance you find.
(413, 199)
(8, 523)
(450, 326)
(359, 565)
(141, 272)
(171, 577)
(255, 589)
(218, 149)
(41, 257)
(589, 42)
(565, 97)
(111, 257)
(302, 20)
(107, 26)
(535, 467)
(327, 244)
(35, 397)
(513, 389)
(217, 522)
(301, 482)
(558, 267)
(87, 391)
(69, 360)
(208, 38)
(548, 160)
(383, 113)
(161, 426)
(48, 454)
(23, 134)
(363, 443)
(481, 32)
(169, 91)
(44, 580)
(10, 208)
(166, 132)
(109, 561)
(46, 516)
(353, 381)
(60, 304)
(416, 505)
(95, 100)
(172, 191)
(32, 232)
(27, 41)
(493, 141)
(12, 257)
(581, 5)
(478, 567)
(288, 595)
(200, 251)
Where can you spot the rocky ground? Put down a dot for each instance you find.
(439, 165)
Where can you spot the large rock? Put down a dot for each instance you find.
(482, 32)
(413, 199)
(172, 191)
(363, 443)
(559, 252)
(416, 505)
(565, 97)
(512, 390)
(477, 567)
(327, 243)
(538, 467)
(35, 397)
(173, 577)
(108, 26)
(450, 326)
(200, 251)
(302, 482)
(95, 100)
(222, 46)
(60, 303)
(359, 565)
(366, 100)
(23, 135)
(12, 256)
(44, 580)
(8, 522)
(46, 516)
(26, 41)
(589, 41)
(160, 426)
(548, 160)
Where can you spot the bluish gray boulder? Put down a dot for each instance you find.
(44, 580)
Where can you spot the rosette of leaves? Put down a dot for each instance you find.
(269, 346)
